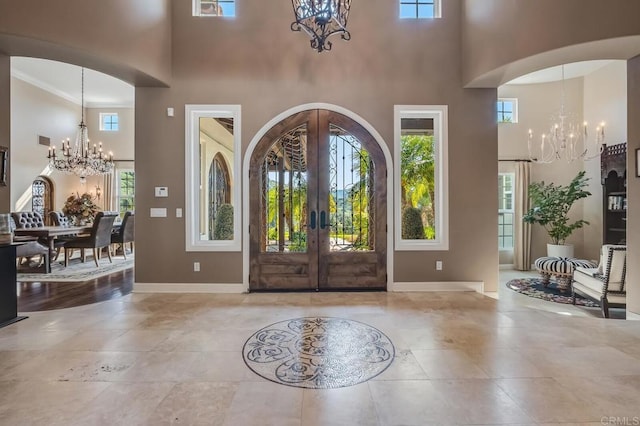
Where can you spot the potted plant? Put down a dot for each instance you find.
(550, 205)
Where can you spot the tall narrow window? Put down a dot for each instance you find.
(505, 211)
(420, 9)
(109, 122)
(507, 110)
(214, 8)
(212, 190)
(421, 205)
(126, 191)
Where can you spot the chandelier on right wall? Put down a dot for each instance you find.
(565, 139)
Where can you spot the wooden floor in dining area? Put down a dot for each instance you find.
(45, 296)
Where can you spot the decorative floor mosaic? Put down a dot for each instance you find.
(318, 352)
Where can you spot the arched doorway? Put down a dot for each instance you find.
(42, 197)
(317, 203)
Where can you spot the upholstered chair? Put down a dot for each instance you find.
(28, 248)
(27, 219)
(606, 283)
(99, 238)
(125, 233)
(60, 219)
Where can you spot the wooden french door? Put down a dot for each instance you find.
(318, 202)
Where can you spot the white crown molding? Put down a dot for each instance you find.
(44, 86)
(64, 95)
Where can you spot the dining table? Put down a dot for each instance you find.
(50, 233)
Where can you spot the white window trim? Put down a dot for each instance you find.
(515, 110)
(118, 187)
(102, 115)
(512, 210)
(193, 113)
(437, 11)
(439, 114)
(196, 11)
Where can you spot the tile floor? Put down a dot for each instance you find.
(461, 358)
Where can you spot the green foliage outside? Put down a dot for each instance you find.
(412, 226)
(550, 205)
(223, 227)
(417, 174)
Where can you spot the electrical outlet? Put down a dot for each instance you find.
(438, 265)
(196, 266)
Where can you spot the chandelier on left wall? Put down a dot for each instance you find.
(81, 159)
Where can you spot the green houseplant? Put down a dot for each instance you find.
(550, 205)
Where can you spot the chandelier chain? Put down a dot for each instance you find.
(80, 159)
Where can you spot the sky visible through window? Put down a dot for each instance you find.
(412, 9)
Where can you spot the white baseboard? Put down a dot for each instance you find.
(188, 288)
(506, 266)
(477, 286)
(632, 316)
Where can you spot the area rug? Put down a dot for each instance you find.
(318, 352)
(533, 287)
(78, 271)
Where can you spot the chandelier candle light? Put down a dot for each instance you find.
(320, 19)
(81, 159)
(565, 139)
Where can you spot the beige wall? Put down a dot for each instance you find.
(537, 104)
(600, 96)
(368, 75)
(633, 187)
(5, 126)
(605, 99)
(256, 61)
(504, 39)
(127, 39)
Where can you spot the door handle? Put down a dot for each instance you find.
(313, 219)
(323, 219)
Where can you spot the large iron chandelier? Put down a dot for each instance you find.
(320, 19)
(82, 159)
(566, 140)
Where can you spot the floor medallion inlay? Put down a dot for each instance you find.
(318, 352)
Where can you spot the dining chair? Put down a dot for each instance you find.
(58, 218)
(125, 233)
(27, 248)
(99, 238)
(27, 219)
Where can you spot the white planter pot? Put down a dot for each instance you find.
(560, 250)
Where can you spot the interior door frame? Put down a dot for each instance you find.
(246, 190)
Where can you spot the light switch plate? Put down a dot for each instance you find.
(158, 212)
(161, 191)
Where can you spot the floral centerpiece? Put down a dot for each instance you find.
(80, 208)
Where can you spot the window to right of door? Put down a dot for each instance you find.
(421, 177)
